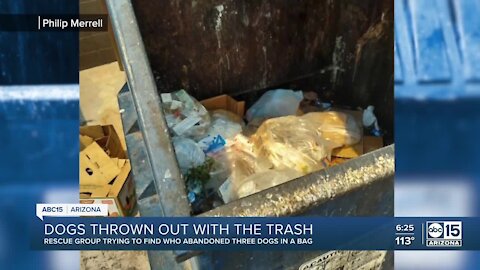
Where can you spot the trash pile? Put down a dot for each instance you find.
(288, 134)
(105, 171)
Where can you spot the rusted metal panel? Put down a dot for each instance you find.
(211, 47)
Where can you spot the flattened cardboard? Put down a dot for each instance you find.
(123, 190)
(88, 191)
(225, 102)
(104, 171)
(85, 141)
(120, 195)
(120, 180)
(113, 210)
(106, 137)
(371, 143)
(92, 131)
(121, 162)
(96, 167)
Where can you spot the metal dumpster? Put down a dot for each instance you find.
(341, 49)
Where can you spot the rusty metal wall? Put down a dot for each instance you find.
(227, 46)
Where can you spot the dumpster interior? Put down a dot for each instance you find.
(273, 91)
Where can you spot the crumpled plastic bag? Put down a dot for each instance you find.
(188, 153)
(227, 116)
(339, 128)
(226, 124)
(291, 142)
(239, 160)
(241, 187)
(231, 165)
(185, 116)
(275, 103)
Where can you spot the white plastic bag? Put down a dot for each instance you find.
(369, 118)
(275, 103)
(226, 124)
(189, 154)
(185, 116)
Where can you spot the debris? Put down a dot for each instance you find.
(275, 103)
(337, 127)
(370, 121)
(312, 103)
(184, 115)
(223, 159)
(189, 154)
(291, 142)
(212, 144)
(226, 124)
(105, 171)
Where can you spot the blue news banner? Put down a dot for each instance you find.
(293, 233)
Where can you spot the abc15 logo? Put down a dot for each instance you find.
(447, 230)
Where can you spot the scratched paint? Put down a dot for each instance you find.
(218, 25)
(338, 59)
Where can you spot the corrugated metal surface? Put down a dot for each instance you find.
(437, 49)
(212, 47)
(38, 131)
(437, 86)
(437, 117)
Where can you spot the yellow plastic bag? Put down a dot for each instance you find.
(291, 142)
(339, 128)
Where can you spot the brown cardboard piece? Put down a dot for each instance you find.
(123, 190)
(96, 167)
(119, 195)
(93, 132)
(104, 172)
(225, 102)
(89, 191)
(106, 137)
(85, 141)
(372, 143)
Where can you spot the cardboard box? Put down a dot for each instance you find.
(96, 167)
(104, 172)
(372, 143)
(119, 194)
(105, 137)
(225, 102)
